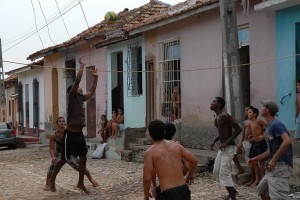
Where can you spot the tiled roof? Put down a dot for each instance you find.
(11, 78)
(126, 18)
(33, 65)
(150, 13)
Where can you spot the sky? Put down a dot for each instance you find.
(24, 30)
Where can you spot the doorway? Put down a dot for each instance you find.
(150, 92)
(117, 88)
(245, 73)
(297, 51)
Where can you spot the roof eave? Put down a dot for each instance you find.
(115, 40)
(173, 19)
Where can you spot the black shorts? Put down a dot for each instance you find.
(258, 148)
(158, 193)
(177, 193)
(75, 144)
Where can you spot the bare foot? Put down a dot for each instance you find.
(241, 171)
(95, 184)
(255, 183)
(47, 187)
(83, 188)
(249, 183)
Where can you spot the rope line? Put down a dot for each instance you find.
(185, 70)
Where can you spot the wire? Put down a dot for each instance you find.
(25, 33)
(88, 27)
(39, 29)
(62, 19)
(46, 22)
(36, 24)
(83, 14)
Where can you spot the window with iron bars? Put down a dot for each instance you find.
(134, 70)
(169, 65)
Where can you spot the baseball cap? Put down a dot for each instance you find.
(272, 105)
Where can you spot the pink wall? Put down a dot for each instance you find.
(201, 49)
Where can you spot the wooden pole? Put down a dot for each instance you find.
(231, 60)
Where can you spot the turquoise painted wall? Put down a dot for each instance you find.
(286, 21)
(134, 107)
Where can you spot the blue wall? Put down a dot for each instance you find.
(286, 21)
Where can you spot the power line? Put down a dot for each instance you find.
(62, 19)
(36, 24)
(83, 14)
(46, 22)
(29, 31)
(39, 29)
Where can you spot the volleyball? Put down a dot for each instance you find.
(110, 17)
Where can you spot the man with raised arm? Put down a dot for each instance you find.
(75, 143)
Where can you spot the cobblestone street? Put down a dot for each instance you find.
(23, 175)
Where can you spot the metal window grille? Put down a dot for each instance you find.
(134, 70)
(169, 63)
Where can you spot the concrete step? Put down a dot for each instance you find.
(23, 141)
(144, 141)
(126, 155)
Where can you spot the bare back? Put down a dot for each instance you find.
(167, 162)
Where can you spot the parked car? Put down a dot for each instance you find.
(7, 135)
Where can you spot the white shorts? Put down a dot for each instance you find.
(222, 166)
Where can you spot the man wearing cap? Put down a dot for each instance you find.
(279, 156)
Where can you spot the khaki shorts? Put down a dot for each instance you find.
(222, 166)
(275, 183)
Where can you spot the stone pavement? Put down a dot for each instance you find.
(23, 175)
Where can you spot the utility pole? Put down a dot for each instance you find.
(2, 91)
(231, 60)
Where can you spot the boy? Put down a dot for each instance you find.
(259, 144)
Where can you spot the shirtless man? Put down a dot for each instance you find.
(222, 167)
(75, 143)
(165, 159)
(170, 130)
(259, 144)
